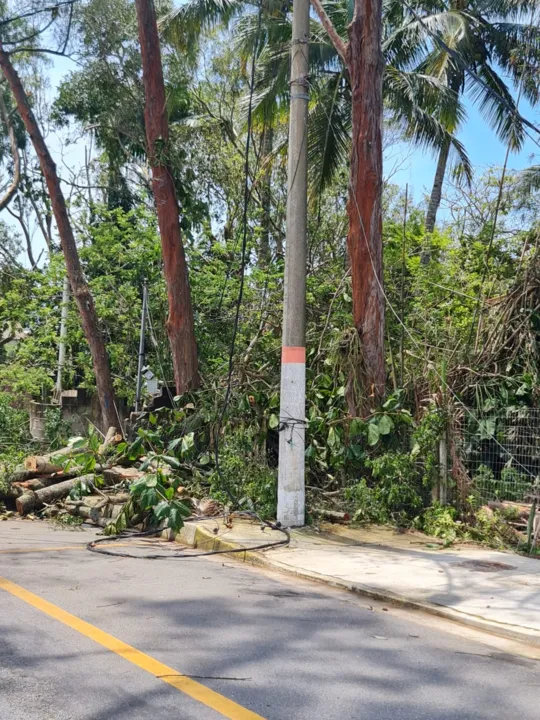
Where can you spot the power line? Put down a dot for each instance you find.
(242, 263)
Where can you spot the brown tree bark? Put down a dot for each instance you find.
(31, 501)
(79, 286)
(363, 58)
(364, 207)
(180, 327)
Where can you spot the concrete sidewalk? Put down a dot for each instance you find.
(493, 591)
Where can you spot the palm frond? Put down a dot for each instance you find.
(511, 9)
(528, 180)
(497, 106)
(411, 95)
(462, 164)
(184, 25)
(516, 49)
(329, 131)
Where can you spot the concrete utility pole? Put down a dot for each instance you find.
(292, 412)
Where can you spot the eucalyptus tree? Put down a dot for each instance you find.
(13, 42)
(417, 101)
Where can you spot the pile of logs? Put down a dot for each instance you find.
(43, 484)
(518, 512)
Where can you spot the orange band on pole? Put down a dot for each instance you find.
(293, 355)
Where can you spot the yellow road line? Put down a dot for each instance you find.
(210, 698)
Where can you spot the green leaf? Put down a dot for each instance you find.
(273, 421)
(373, 434)
(333, 438)
(162, 509)
(487, 428)
(188, 441)
(138, 486)
(147, 463)
(357, 451)
(152, 419)
(385, 425)
(77, 443)
(151, 481)
(171, 461)
(204, 459)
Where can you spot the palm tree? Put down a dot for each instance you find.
(422, 105)
(447, 38)
(416, 99)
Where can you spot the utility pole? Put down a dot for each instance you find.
(138, 392)
(57, 395)
(292, 412)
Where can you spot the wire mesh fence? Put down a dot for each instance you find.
(501, 452)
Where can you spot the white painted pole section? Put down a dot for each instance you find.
(62, 343)
(291, 472)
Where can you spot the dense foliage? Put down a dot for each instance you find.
(462, 328)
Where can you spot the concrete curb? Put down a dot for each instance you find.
(198, 537)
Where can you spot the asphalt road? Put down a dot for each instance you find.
(279, 648)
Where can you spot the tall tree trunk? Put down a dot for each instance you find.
(180, 326)
(14, 184)
(436, 191)
(79, 286)
(266, 195)
(364, 240)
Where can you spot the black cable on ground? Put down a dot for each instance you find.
(93, 545)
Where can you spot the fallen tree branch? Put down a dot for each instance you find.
(32, 501)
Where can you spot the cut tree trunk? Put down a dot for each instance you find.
(117, 474)
(43, 481)
(51, 462)
(10, 493)
(32, 501)
(436, 192)
(333, 516)
(79, 286)
(364, 207)
(20, 474)
(88, 513)
(111, 437)
(180, 327)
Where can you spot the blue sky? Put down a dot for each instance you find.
(484, 148)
